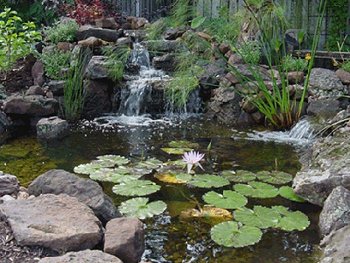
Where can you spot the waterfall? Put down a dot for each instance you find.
(302, 130)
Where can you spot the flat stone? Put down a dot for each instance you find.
(86, 190)
(124, 238)
(51, 128)
(336, 211)
(85, 256)
(92, 42)
(35, 90)
(8, 184)
(108, 35)
(323, 109)
(106, 22)
(165, 62)
(174, 33)
(58, 222)
(325, 83)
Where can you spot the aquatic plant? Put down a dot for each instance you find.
(173, 177)
(261, 217)
(208, 181)
(141, 208)
(136, 188)
(62, 31)
(288, 193)
(256, 190)
(239, 176)
(192, 159)
(228, 199)
(274, 177)
(208, 214)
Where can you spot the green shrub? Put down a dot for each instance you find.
(16, 38)
(346, 66)
(250, 52)
(64, 31)
(54, 62)
(294, 64)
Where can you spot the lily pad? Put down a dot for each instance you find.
(256, 190)
(208, 214)
(176, 151)
(208, 181)
(116, 175)
(92, 167)
(228, 200)
(150, 163)
(261, 217)
(173, 177)
(291, 220)
(136, 188)
(177, 163)
(288, 193)
(231, 234)
(140, 207)
(274, 177)
(239, 176)
(183, 144)
(116, 159)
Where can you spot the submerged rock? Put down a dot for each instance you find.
(8, 184)
(58, 222)
(124, 238)
(85, 256)
(51, 128)
(86, 190)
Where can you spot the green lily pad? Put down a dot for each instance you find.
(177, 163)
(176, 151)
(183, 144)
(173, 177)
(228, 200)
(208, 181)
(231, 234)
(136, 188)
(239, 176)
(274, 177)
(139, 207)
(291, 220)
(92, 167)
(116, 159)
(261, 217)
(116, 175)
(288, 193)
(150, 163)
(256, 190)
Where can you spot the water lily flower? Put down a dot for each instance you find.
(192, 158)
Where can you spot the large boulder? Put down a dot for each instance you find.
(8, 184)
(33, 105)
(97, 68)
(336, 211)
(108, 35)
(327, 168)
(97, 98)
(323, 109)
(124, 238)
(86, 190)
(56, 87)
(85, 256)
(58, 222)
(51, 128)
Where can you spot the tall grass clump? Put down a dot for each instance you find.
(74, 87)
(116, 60)
(63, 31)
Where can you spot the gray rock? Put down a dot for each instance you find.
(5, 124)
(124, 238)
(174, 33)
(344, 76)
(7, 198)
(139, 34)
(247, 72)
(85, 256)
(97, 98)
(86, 190)
(51, 128)
(327, 168)
(325, 83)
(58, 222)
(35, 90)
(165, 62)
(295, 77)
(56, 87)
(97, 68)
(337, 246)
(124, 41)
(38, 73)
(106, 22)
(323, 109)
(211, 76)
(108, 35)
(34, 105)
(336, 211)
(8, 184)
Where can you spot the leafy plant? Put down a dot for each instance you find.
(289, 63)
(54, 62)
(181, 13)
(136, 188)
(141, 208)
(62, 31)
(250, 52)
(197, 22)
(288, 193)
(116, 60)
(116, 159)
(261, 217)
(274, 177)
(208, 181)
(346, 66)
(85, 12)
(239, 176)
(291, 220)
(228, 200)
(116, 175)
(16, 38)
(156, 29)
(256, 190)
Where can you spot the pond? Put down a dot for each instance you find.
(168, 238)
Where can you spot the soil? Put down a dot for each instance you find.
(10, 252)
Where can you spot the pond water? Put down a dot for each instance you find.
(169, 239)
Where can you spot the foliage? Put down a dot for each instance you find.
(116, 159)
(261, 217)
(140, 207)
(240, 176)
(250, 52)
(85, 12)
(346, 66)
(54, 62)
(232, 234)
(116, 60)
(183, 144)
(181, 13)
(228, 200)
(289, 63)
(156, 29)
(208, 181)
(74, 87)
(177, 151)
(136, 188)
(116, 175)
(256, 190)
(16, 38)
(288, 193)
(290, 221)
(274, 177)
(197, 22)
(63, 31)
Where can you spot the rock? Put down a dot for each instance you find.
(5, 124)
(97, 68)
(35, 105)
(248, 72)
(38, 73)
(8, 184)
(86, 190)
(165, 62)
(22, 195)
(108, 35)
(232, 78)
(337, 246)
(56, 87)
(211, 76)
(106, 22)
(327, 168)
(51, 128)
(291, 39)
(205, 36)
(65, 46)
(224, 106)
(58, 222)
(97, 98)
(6, 198)
(124, 238)
(248, 106)
(325, 83)
(245, 119)
(137, 22)
(295, 77)
(344, 76)
(323, 109)
(85, 256)
(224, 48)
(124, 41)
(163, 46)
(139, 34)
(35, 90)
(174, 33)
(92, 42)
(336, 211)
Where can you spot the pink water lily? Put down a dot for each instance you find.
(192, 158)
